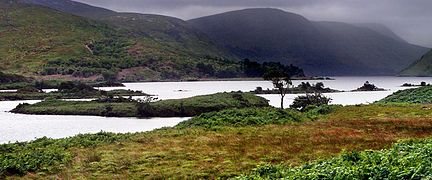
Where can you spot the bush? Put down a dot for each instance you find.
(70, 86)
(406, 160)
(244, 117)
(48, 155)
(421, 95)
(303, 102)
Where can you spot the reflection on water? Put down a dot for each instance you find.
(16, 127)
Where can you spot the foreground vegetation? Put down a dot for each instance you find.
(120, 107)
(405, 160)
(192, 150)
(421, 95)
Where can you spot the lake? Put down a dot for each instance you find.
(17, 127)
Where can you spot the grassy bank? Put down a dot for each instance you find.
(166, 108)
(421, 95)
(195, 151)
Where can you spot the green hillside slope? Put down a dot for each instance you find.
(422, 67)
(38, 41)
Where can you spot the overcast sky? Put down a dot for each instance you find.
(411, 19)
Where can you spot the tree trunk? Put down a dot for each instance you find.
(282, 102)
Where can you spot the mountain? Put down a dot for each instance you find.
(73, 7)
(422, 67)
(320, 48)
(173, 32)
(382, 29)
(40, 41)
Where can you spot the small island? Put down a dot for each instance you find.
(415, 85)
(304, 87)
(146, 107)
(368, 87)
(66, 90)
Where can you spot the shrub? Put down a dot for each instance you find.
(406, 160)
(48, 155)
(244, 117)
(303, 102)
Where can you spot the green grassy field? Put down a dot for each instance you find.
(195, 151)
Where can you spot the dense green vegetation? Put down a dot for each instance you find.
(254, 117)
(422, 67)
(308, 101)
(416, 95)
(47, 155)
(405, 160)
(122, 107)
(256, 69)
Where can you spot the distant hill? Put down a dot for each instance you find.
(39, 41)
(321, 48)
(173, 32)
(382, 29)
(422, 67)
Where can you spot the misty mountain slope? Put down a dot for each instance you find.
(327, 48)
(39, 41)
(422, 67)
(368, 49)
(382, 29)
(172, 32)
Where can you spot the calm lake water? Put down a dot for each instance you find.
(16, 127)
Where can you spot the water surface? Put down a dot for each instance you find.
(17, 127)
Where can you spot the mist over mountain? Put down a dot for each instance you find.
(329, 48)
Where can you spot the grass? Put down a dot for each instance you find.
(405, 160)
(229, 151)
(253, 117)
(421, 95)
(166, 108)
(47, 155)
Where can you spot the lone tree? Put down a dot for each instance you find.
(281, 81)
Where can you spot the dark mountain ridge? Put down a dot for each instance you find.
(321, 48)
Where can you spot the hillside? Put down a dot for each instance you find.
(421, 95)
(422, 67)
(322, 48)
(170, 31)
(38, 41)
(382, 29)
